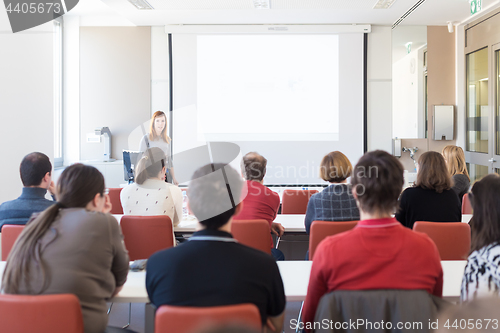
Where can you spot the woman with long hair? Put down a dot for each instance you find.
(455, 161)
(482, 272)
(74, 247)
(431, 199)
(157, 137)
(150, 194)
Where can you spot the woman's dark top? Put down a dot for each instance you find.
(418, 204)
(461, 185)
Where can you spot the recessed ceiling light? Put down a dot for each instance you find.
(141, 4)
(261, 4)
(383, 4)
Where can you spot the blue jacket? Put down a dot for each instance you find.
(19, 211)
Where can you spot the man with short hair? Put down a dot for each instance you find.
(36, 171)
(379, 253)
(260, 203)
(212, 268)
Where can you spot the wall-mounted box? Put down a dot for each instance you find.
(444, 120)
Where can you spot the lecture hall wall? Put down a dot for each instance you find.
(26, 89)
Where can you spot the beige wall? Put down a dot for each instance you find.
(115, 84)
(441, 88)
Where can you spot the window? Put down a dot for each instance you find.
(58, 92)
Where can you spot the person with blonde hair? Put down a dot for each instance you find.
(157, 137)
(336, 202)
(455, 161)
(431, 199)
(150, 194)
(72, 247)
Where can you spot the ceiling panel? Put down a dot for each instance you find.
(322, 4)
(201, 4)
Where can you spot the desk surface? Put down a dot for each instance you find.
(293, 223)
(295, 275)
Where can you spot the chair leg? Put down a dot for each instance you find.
(129, 315)
(110, 306)
(299, 318)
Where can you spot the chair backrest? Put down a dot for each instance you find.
(322, 229)
(114, 197)
(145, 235)
(295, 201)
(40, 314)
(466, 206)
(253, 233)
(392, 306)
(10, 232)
(451, 238)
(179, 319)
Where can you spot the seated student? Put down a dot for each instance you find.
(379, 253)
(334, 203)
(455, 161)
(72, 247)
(431, 199)
(150, 194)
(260, 203)
(481, 276)
(212, 268)
(35, 173)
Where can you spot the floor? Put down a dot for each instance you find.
(119, 316)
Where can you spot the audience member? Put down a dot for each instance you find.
(36, 171)
(455, 161)
(150, 194)
(212, 268)
(260, 202)
(73, 247)
(482, 273)
(379, 253)
(336, 202)
(431, 199)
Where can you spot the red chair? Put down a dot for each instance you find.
(322, 229)
(179, 319)
(145, 235)
(295, 201)
(40, 314)
(253, 233)
(466, 206)
(451, 238)
(114, 196)
(10, 233)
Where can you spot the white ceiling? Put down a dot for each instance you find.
(431, 12)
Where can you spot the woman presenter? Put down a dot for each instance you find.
(158, 137)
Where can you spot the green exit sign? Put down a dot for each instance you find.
(475, 6)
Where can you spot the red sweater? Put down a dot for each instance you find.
(376, 254)
(260, 204)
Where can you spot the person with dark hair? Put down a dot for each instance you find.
(212, 268)
(432, 198)
(482, 272)
(36, 175)
(379, 253)
(150, 194)
(334, 203)
(72, 247)
(260, 203)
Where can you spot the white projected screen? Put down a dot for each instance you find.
(243, 80)
(293, 98)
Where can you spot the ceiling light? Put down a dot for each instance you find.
(408, 13)
(261, 4)
(383, 4)
(486, 79)
(141, 4)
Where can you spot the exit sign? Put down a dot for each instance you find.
(475, 6)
